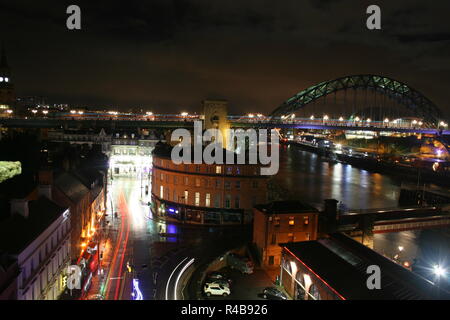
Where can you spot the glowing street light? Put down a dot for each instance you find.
(9, 111)
(312, 117)
(414, 122)
(73, 111)
(400, 248)
(420, 123)
(293, 116)
(184, 114)
(149, 113)
(80, 112)
(386, 120)
(44, 111)
(369, 120)
(34, 111)
(341, 118)
(325, 117)
(439, 271)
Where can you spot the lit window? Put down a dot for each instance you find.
(291, 221)
(306, 220)
(208, 200)
(218, 169)
(197, 198)
(161, 192)
(197, 182)
(186, 196)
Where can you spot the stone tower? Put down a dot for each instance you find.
(216, 113)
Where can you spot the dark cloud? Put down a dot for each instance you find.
(168, 55)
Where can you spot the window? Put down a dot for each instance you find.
(218, 170)
(161, 192)
(277, 222)
(197, 182)
(274, 238)
(186, 196)
(255, 184)
(186, 181)
(271, 260)
(175, 179)
(237, 202)
(229, 170)
(197, 168)
(167, 178)
(227, 185)
(290, 237)
(162, 176)
(228, 201)
(291, 221)
(175, 199)
(238, 184)
(197, 198)
(208, 200)
(305, 221)
(217, 184)
(217, 201)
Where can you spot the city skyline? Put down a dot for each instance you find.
(171, 56)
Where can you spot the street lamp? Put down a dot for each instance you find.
(312, 117)
(341, 118)
(325, 117)
(439, 271)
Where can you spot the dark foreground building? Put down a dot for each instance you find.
(335, 268)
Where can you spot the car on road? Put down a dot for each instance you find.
(272, 293)
(215, 289)
(215, 275)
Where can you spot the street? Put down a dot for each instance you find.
(156, 261)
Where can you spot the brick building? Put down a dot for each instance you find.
(279, 222)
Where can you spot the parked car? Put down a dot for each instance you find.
(222, 282)
(214, 289)
(215, 275)
(242, 264)
(272, 293)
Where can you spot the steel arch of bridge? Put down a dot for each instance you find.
(400, 92)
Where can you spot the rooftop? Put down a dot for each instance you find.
(17, 232)
(342, 262)
(286, 207)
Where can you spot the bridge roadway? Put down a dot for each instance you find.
(189, 123)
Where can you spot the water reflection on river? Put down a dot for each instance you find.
(312, 179)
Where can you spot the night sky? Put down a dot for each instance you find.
(169, 55)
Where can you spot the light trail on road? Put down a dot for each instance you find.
(180, 274)
(171, 275)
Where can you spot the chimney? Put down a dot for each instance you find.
(20, 206)
(45, 190)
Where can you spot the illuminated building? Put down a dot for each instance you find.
(279, 222)
(35, 241)
(131, 154)
(336, 268)
(205, 194)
